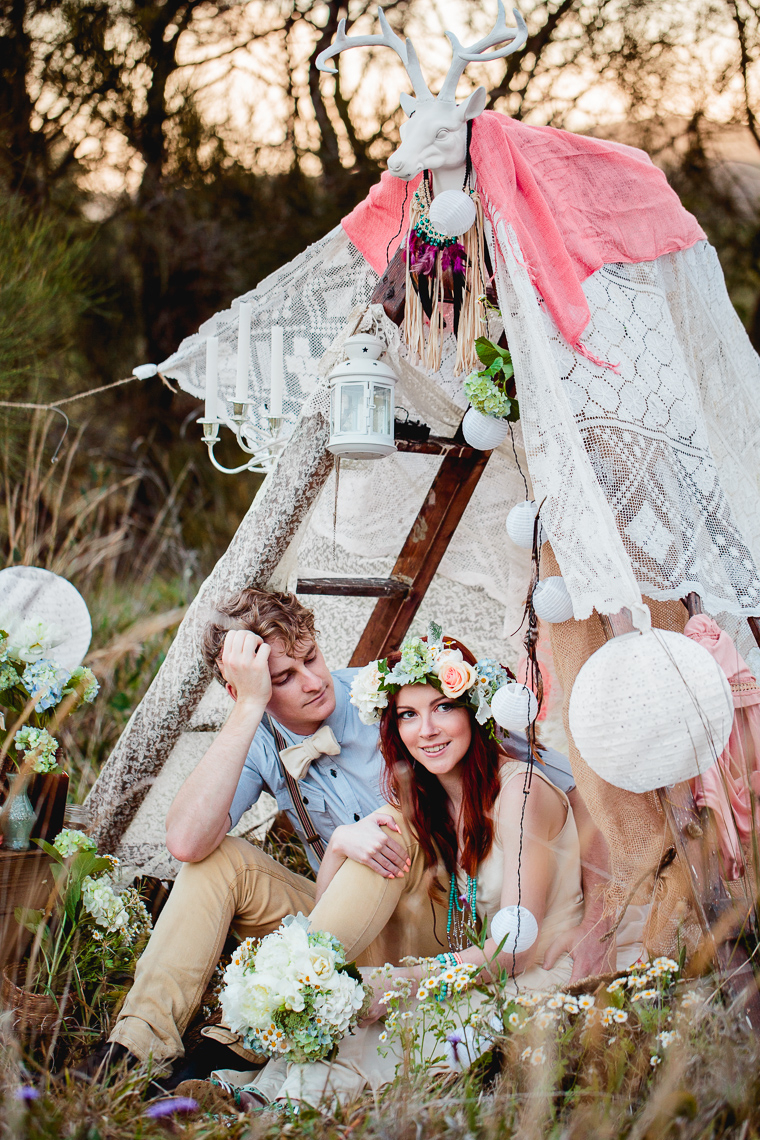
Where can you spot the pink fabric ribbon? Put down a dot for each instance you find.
(725, 788)
(576, 203)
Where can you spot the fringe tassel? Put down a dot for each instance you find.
(475, 287)
(429, 349)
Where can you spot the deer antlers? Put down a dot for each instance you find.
(403, 49)
(516, 38)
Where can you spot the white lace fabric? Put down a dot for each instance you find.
(646, 475)
(648, 478)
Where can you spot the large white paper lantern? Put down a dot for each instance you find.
(483, 432)
(650, 709)
(520, 522)
(518, 925)
(30, 594)
(362, 401)
(514, 707)
(552, 601)
(452, 212)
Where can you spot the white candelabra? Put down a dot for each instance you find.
(262, 446)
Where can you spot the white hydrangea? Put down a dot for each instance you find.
(30, 639)
(68, 841)
(101, 901)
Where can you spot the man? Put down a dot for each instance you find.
(263, 648)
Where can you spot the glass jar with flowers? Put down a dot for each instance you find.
(36, 694)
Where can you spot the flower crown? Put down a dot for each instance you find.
(432, 662)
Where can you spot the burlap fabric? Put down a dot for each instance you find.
(634, 826)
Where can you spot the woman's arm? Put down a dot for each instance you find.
(528, 866)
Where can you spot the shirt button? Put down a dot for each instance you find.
(357, 817)
(305, 800)
(333, 773)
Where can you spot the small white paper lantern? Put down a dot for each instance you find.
(514, 706)
(483, 432)
(518, 925)
(650, 709)
(362, 401)
(452, 212)
(552, 601)
(520, 524)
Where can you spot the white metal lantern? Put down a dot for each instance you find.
(514, 707)
(520, 524)
(650, 709)
(483, 432)
(362, 405)
(552, 601)
(517, 925)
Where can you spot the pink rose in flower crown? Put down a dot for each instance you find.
(454, 673)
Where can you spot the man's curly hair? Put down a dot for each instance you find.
(270, 615)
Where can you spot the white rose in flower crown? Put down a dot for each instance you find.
(454, 673)
(366, 695)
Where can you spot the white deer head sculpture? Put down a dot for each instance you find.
(434, 137)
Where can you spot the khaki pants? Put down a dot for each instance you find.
(378, 920)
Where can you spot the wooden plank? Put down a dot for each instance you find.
(390, 291)
(422, 552)
(436, 445)
(354, 587)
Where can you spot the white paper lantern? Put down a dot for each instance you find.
(452, 212)
(483, 432)
(29, 593)
(650, 709)
(518, 925)
(362, 401)
(514, 707)
(520, 524)
(552, 601)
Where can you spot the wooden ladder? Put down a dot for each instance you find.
(399, 597)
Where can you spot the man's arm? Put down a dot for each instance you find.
(199, 818)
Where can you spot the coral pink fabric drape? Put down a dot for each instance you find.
(725, 788)
(576, 203)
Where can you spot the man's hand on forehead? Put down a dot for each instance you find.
(244, 664)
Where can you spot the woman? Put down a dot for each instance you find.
(492, 834)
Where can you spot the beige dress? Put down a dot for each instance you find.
(360, 1063)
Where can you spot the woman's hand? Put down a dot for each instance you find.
(367, 842)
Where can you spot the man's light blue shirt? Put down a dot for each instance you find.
(345, 788)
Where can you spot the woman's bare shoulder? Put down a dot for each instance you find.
(545, 807)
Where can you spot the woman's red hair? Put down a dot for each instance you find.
(424, 803)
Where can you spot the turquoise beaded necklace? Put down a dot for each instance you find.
(457, 921)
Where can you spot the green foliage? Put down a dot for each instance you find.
(43, 295)
(487, 389)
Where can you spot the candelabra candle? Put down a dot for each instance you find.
(212, 376)
(244, 352)
(276, 374)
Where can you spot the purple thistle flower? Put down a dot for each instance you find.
(171, 1106)
(27, 1092)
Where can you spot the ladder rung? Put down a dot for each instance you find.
(354, 587)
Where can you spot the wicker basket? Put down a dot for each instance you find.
(34, 1016)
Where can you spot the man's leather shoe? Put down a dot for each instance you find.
(108, 1061)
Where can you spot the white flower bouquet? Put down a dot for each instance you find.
(292, 994)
